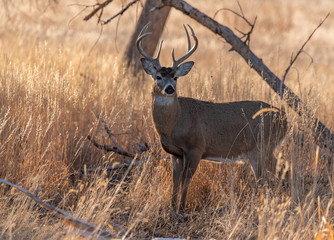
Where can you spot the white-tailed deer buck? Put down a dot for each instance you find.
(192, 130)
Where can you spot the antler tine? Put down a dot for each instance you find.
(141, 36)
(190, 50)
(144, 30)
(139, 44)
(188, 38)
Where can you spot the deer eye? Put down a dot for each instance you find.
(175, 78)
(158, 78)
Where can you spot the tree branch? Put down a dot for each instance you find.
(99, 7)
(242, 16)
(110, 134)
(107, 148)
(120, 13)
(117, 149)
(292, 61)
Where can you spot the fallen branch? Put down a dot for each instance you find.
(110, 135)
(117, 167)
(117, 149)
(323, 136)
(84, 228)
(107, 148)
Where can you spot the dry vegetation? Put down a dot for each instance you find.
(55, 83)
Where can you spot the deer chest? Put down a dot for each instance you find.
(169, 147)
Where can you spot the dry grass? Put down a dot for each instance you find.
(55, 84)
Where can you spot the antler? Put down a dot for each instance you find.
(190, 50)
(142, 35)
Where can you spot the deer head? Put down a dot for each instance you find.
(165, 78)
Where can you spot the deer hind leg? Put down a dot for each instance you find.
(191, 161)
(272, 163)
(263, 163)
(177, 173)
(256, 164)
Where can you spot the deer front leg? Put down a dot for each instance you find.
(191, 161)
(177, 173)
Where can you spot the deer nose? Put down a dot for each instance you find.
(169, 90)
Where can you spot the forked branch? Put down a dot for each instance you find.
(96, 8)
(120, 12)
(107, 148)
(117, 148)
(242, 16)
(293, 59)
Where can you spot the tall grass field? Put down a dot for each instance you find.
(60, 74)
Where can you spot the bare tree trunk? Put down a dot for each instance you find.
(157, 19)
(323, 136)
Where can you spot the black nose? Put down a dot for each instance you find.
(169, 90)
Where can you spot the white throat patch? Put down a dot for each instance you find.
(163, 101)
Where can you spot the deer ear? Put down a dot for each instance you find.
(148, 66)
(184, 69)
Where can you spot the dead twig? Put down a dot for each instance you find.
(242, 16)
(99, 6)
(117, 149)
(84, 228)
(107, 148)
(293, 59)
(248, 34)
(176, 214)
(142, 147)
(120, 12)
(88, 17)
(117, 167)
(110, 134)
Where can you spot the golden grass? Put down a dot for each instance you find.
(55, 85)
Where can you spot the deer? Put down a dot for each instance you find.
(191, 130)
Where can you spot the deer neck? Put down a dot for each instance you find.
(165, 111)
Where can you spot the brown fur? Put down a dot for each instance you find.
(216, 130)
(192, 130)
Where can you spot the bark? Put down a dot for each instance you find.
(157, 19)
(323, 136)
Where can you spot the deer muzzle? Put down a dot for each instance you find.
(169, 90)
